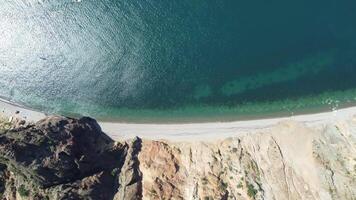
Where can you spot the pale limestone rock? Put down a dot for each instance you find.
(288, 161)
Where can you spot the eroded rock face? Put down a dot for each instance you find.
(164, 173)
(63, 158)
(288, 161)
(58, 150)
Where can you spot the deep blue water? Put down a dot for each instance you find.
(148, 59)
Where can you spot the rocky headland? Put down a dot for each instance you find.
(65, 158)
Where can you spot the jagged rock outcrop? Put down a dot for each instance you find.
(64, 158)
(130, 176)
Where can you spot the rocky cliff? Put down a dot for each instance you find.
(63, 158)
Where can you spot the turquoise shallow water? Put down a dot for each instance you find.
(179, 60)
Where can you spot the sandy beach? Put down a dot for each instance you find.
(185, 132)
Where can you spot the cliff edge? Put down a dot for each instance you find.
(65, 158)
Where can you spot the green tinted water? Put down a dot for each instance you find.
(178, 61)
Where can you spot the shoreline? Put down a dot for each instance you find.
(187, 131)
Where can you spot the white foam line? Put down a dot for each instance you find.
(193, 131)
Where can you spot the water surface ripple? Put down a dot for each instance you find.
(175, 60)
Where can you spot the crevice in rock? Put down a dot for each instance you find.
(130, 178)
(284, 166)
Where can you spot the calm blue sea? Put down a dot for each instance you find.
(186, 60)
